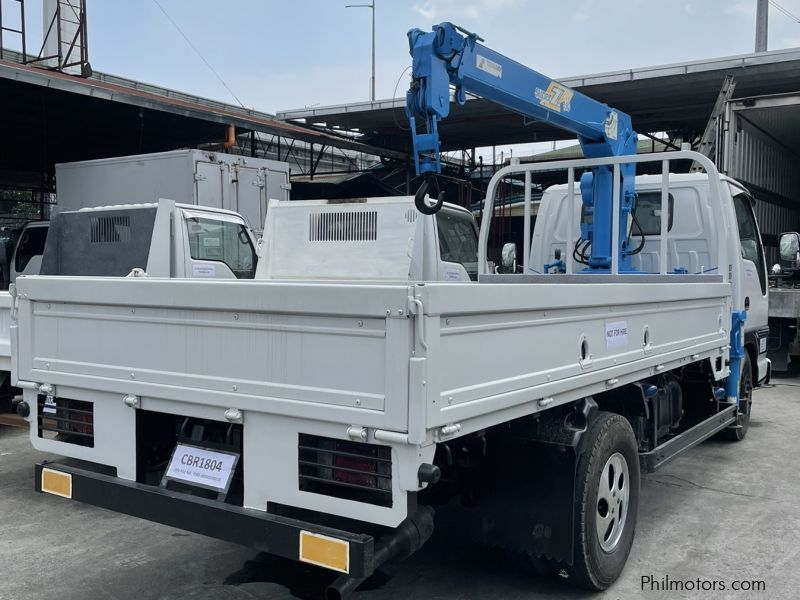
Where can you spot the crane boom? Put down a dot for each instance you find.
(451, 56)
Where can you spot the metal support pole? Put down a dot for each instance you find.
(84, 41)
(60, 53)
(372, 79)
(762, 18)
(22, 28)
(526, 242)
(573, 226)
(615, 232)
(663, 247)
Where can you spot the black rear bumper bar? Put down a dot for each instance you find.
(262, 531)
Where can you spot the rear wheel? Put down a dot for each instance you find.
(607, 502)
(737, 432)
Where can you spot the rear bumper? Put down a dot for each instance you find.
(262, 531)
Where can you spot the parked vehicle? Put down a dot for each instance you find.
(322, 410)
(162, 239)
(190, 177)
(226, 181)
(367, 239)
(28, 250)
(362, 401)
(784, 304)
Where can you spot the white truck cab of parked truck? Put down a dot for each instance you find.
(162, 239)
(27, 254)
(367, 239)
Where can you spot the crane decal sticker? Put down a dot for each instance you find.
(556, 97)
(611, 125)
(489, 66)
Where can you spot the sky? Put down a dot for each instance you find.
(279, 55)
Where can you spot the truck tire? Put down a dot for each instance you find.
(606, 502)
(737, 433)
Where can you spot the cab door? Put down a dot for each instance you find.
(754, 270)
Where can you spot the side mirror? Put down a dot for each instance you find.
(789, 245)
(509, 255)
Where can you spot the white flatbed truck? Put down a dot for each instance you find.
(189, 177)
(164, 239)
(321, 414)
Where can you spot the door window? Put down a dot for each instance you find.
(458, 240)
(30, 244)
(748, 233)
(222, 241)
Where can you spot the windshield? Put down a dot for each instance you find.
(647, 213)
(458, 240)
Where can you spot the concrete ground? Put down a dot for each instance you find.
(722, 512)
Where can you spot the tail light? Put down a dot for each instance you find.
(342, 469)
(66, 420)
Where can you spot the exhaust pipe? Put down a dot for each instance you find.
(230, 138)
(401, 543)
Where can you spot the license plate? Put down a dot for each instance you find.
(210, 469)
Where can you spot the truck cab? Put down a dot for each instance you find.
(787, 270)
(784, 303)
(692, 238)
(28, 250)
(367, 239)
(161, 239)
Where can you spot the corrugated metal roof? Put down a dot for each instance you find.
(127, 91)
(675, 97)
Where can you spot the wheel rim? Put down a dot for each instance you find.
(612, 502)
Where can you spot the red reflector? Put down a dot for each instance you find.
(365, 465)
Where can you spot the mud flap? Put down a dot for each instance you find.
(531, 507)
(529, 504)
(6, 392)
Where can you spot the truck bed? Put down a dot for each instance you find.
(413, 363)
(784, 303)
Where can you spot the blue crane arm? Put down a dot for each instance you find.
(445, 57)
(451, 56)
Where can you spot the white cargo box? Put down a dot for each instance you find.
(213, 179)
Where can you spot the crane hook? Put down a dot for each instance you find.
(422, 205)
